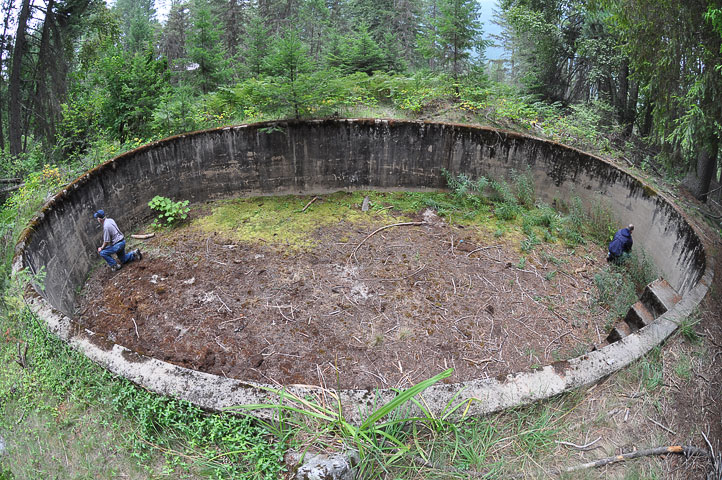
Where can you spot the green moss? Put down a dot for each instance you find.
(283, 221)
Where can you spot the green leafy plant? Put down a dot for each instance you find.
(379, 438)
(172, 212)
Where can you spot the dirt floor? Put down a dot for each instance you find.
(363, 308)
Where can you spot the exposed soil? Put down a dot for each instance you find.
(412, 301)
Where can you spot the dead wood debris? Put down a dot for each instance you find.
(22, 355)
(402, 224)
(686, 450)
(309, 204)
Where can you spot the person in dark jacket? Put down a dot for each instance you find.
(621, 244)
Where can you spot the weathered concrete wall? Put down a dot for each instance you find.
(308, 157)
(320, 156)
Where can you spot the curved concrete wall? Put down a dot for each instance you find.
(328, 155)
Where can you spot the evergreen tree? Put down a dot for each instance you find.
(455, 35)
(257, 44)
(138, 24)
(131, 86)
(175, 35)
(205, 51)
(289, 62)
(362, 54)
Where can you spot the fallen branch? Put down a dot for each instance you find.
(580, 447)
(683, 449)
(353, 254)
(142, 236)
(661, 426)
(309, 204)
(21, 360)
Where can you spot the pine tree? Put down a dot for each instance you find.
(454, 35)
(289, 61)
(138, 24)
(205, 51)
(257, 44)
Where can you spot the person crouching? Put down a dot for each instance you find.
(114, 243)
(621, 244)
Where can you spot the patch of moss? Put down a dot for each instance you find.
(283, 221)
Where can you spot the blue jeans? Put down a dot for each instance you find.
(119, 250)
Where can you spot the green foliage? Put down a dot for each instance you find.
(619, 286)
(224, 446)
(131, 87)
(380, 437)
(177, 112)
(204, 48)
(358, 53)
(289, 63)
(687, 328)
(173, 212)
(258, 48)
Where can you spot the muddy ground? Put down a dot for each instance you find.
(358, 310)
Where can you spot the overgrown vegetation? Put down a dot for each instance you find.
(82, 82)
(170, 211)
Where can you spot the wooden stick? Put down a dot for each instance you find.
(309, 204)
(142, 236)
(580, 447)
(380, 229)
(136, 328)
(662, 426)
(684, 449)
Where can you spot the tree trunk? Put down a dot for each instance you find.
(630, 114)
(42, 96)
(623, 89)
(699, 179)
(15, 121)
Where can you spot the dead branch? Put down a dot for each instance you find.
(662, 426)
(403, 224)
(142, 236)
(136, 328)
(309, 204)
(687, 450)
(580, 447)
(481, 248)
(22, 360)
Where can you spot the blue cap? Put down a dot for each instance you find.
(99, 214)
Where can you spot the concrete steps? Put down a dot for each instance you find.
(657, 298)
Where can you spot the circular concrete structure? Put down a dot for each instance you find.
(308, 157)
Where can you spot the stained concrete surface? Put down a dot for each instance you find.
(327, 155)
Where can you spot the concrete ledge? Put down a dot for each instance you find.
(327, 155)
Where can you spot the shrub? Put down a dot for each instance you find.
(173, 212)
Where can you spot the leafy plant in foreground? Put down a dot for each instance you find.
(379, 438)
(173, 212)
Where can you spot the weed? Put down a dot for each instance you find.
(524, 186)
(530, 242)
(506, 211)
(600, 224)
(173, 212)
(683, 367)
(651, 370)
(687, 328)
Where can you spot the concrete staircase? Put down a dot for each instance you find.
(657, 298)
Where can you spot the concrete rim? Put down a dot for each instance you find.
(481, 396)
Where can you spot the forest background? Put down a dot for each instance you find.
(82, 81)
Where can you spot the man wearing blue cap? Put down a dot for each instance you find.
(114, 243)
(620, 244)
